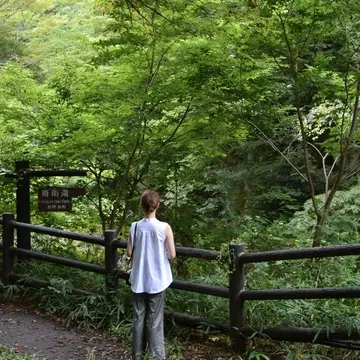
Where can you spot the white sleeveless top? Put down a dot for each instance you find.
(151, 272)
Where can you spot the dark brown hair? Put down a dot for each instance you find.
(150, 200)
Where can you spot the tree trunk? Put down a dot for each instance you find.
(319, 229)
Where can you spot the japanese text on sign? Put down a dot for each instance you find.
(58, 199)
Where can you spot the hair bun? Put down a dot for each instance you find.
(150, 200)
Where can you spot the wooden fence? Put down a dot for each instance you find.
(236, 327)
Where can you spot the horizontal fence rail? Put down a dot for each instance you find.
(120, 244)
(110, 244)
(48, 173)
(299, 254)
(198, 253)
(96, 240)
(235, 292)
(43, 284)
(292, 294)
(293, 334)
(59, 260)
(200, 288)
(183, 251)
(197, 321)
(323, 336)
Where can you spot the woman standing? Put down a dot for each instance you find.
(151, 245)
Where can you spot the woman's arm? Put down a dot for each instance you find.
(169, 240)
(129, 246)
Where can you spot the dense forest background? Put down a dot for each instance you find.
(236, 112)
(242, 114)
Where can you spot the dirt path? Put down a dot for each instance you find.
(28, 331)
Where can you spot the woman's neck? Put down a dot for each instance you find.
(151, 215)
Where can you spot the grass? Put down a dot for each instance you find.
(11, 354)
(114, 314)
(181, 343)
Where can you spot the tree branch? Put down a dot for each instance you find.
(271, 143)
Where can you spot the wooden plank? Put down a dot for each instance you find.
(299, 254)
(292, 294)
(200, 288)
(91, 239)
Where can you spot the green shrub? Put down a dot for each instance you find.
(10, 354)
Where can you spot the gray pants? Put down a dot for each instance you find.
(148, 325)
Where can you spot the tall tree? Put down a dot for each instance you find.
(313, 45)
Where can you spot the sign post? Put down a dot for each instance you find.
(23, 202)
(23, 174)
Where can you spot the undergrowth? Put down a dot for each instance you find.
(11, 354)
(113, 313)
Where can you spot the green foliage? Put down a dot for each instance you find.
(86, 312)
(342, 225)
(254, 355)
(209, 104)
(175, 97)
(10, 354)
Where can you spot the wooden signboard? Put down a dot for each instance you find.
(57, 198)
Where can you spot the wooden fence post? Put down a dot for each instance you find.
(237, 307)
(110, 261)
(8, 241)
(23, 205)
